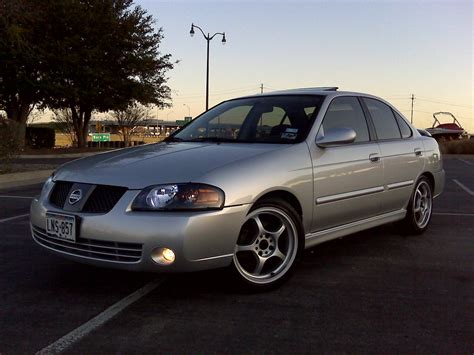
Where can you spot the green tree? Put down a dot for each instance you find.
(103, 55)
(21, 22)
(128, 119)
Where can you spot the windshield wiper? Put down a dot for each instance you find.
(213, 139)
(173, 139)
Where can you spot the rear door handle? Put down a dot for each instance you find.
(374, 157)
(418, 152)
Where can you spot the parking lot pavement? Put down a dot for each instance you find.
(375, 291)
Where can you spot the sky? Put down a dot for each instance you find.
(391, 49)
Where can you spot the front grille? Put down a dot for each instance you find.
(103, 199)
(60, 193)
(91, 248)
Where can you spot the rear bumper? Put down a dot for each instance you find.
(200, 240)
(439, 178)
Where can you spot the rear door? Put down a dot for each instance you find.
(348, 179)
(401, 154)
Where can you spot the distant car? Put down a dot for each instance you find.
(248, 185)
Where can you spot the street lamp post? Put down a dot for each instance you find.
(189, 109)
(208, 38)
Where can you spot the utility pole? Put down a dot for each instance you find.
(261, 88)
(412, 101)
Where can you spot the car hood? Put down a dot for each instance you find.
(139, 167)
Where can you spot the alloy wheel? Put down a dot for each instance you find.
(422, 204)
(267, 245)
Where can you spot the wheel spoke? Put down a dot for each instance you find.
(261, 228)
(260, 264)
(248, 247)
(418, 195)
(279, 254)
(278, 233)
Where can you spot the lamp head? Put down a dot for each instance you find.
(223, 39)
(192, 30)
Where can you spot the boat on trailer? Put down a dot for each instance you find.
(447, 131)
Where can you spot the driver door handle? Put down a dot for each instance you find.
(374, 157)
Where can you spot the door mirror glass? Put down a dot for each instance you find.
(336, 136)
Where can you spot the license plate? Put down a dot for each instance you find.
(61, 226)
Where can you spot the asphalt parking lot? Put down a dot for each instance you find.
(375, 291)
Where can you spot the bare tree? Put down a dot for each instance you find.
(65, 124)
(127, 120)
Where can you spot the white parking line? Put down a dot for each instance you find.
(8, 196)
(466, 161)
(465, 188)
(453, 214)
(77, 334)
(13, 218)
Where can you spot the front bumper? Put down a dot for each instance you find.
(200, 240)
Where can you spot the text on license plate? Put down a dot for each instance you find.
(61, 226)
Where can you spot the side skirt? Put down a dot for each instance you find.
(312, 239)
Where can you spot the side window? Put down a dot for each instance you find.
(346, 112)
(383, 118)
(404, 127)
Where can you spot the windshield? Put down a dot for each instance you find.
(266, 119)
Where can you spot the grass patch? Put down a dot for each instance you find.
(465, 146)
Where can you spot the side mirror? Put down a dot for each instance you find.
(336, 136)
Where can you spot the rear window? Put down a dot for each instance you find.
(404, 127)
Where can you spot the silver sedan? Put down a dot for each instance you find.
(247, 185)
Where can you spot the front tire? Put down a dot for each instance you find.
(419, 208)
(269, 245)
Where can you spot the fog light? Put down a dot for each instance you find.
(163, 256)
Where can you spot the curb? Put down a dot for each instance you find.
(24, 179)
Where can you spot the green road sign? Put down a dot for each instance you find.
(101, 137)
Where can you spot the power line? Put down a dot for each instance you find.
(436, 101)
(443, 102)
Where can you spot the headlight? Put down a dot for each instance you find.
(173, 197)
(47, 186)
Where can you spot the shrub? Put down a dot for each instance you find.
(465, 146)
(40, 137)
(10, 145)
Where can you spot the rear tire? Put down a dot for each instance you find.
(419, 209)
(270, 243)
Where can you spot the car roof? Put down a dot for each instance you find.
(324, 91)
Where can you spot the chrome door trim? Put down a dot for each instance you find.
(397, 185)
(346, 195)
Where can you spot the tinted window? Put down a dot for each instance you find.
(264, 119)
(346, 112)
(383, 118)
(404, 127)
